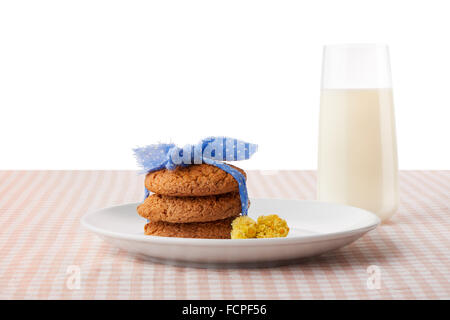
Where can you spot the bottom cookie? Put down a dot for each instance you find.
(220, 229)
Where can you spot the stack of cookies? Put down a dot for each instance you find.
(196, 201)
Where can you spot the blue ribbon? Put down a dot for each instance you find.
(211, 151)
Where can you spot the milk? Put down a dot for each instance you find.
(357, 150)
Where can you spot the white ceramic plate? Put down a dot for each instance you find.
(315, 228)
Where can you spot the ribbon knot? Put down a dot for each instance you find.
(212, 150)
(171, 155)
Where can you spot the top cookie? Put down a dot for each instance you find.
(194, 180)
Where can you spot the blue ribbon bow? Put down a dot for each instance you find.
(211, 151)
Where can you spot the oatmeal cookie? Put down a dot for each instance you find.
(220, 229)
(190, 209)
(194, 180)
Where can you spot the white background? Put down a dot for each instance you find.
(82, 82)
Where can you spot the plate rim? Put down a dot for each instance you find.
(241, 242)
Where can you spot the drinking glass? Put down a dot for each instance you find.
(357, 163)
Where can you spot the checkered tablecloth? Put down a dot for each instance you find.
(43, 246)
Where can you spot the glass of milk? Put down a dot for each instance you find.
(357, 144)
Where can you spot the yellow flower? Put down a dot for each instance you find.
(243, 227)
(271, 226)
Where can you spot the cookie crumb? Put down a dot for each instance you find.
(271, 226)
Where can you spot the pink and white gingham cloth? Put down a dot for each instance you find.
(42, 243)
